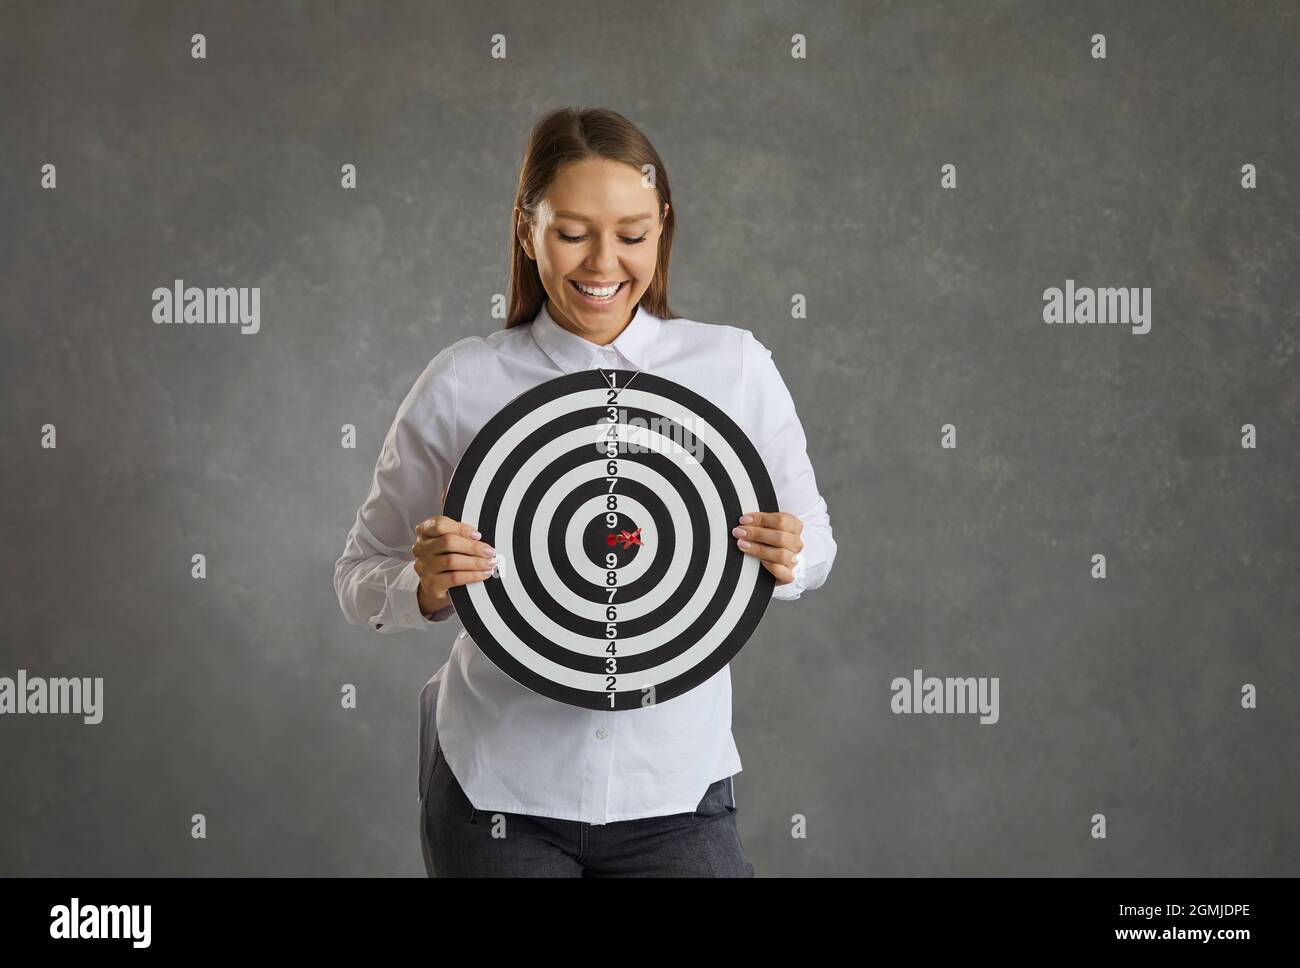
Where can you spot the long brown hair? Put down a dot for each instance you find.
(568, 135)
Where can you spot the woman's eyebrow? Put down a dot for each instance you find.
(623, 220)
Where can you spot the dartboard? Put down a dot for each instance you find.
(609, 497)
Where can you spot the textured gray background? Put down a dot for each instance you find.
(818, 177)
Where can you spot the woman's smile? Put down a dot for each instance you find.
(597, 295)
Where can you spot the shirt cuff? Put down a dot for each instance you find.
(407, 589)
(792, 590)
(402, 604)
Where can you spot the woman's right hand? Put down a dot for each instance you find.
(447, 554)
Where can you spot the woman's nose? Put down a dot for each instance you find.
(604, 256)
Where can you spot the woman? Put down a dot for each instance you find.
(517, 783)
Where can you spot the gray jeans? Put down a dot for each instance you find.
(461, 841)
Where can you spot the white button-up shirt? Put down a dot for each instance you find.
(510, 748)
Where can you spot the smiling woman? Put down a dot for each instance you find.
(512, 781)
(593, 213)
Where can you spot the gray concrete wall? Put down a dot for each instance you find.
(818, 176)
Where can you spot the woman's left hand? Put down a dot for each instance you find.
(773, 538)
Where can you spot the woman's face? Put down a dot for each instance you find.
(599, 226)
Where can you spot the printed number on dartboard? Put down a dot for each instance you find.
(611, 558)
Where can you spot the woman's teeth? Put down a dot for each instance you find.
(602, 294)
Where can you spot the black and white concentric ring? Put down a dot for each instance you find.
(650, 543)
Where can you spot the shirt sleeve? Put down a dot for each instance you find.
(780, 440)
(375, 578)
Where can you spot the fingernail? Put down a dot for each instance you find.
(492, 553)
(476, 534)
(743, 544)
(746, 519)
(738, 532)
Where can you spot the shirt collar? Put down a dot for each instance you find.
(571, 352)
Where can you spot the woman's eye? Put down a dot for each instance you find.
(579, 238)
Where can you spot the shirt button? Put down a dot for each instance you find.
(409, 619)
(602, 733)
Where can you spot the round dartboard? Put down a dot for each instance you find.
(609, 497)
